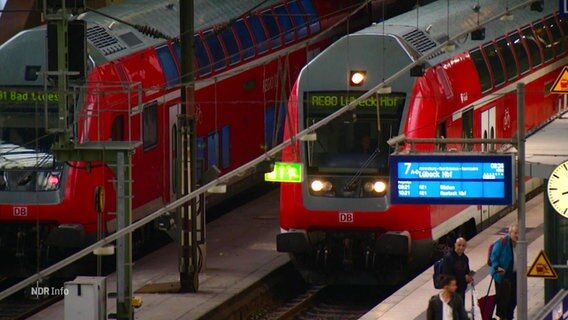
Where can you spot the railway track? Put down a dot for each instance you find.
(330, 302)
(15, 309)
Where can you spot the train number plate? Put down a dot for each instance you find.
(20, 212)
(346, 217)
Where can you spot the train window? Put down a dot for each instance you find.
(245, 38)
(173, 157)
(482, 71)
(443, 80)
(520, 51)
(312, 15)
(495, 64)
(150, 126)
(557, 43)
(168, 65)
(213, 150)
(467, 127)
(273, 30)
(226, 147)
(441, 133)
(534, 50)
(299, 19)
(542, 37)
(216, 50)
(31, 73)
(200, 156)
(258, 31)
(506, 50)
(563, 23)
(177, 50)
(231, 44)
(202, 57)
(269, 122)
(285, 23)
(117, 129)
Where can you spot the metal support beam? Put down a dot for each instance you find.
(124, 308)
(550, 244)
(188, 257)
(522, 242)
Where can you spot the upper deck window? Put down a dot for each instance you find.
(273, 30)
(563, 23)
(482, 71)
(311, 15)
(245, 38)
(168, 65)
(557, 40)
(285, 23)
(258, 31)
(495, 64)
(216, 50)
(534, 50)
(505, 48)
(542, 37)
(299, 19)
(231, 44)
(202, 57)
(520, 52)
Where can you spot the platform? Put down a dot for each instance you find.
(411, 301)
(241, 250)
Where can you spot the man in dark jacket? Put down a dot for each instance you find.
(456, 263)
(446, 305)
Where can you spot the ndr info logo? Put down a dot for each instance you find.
(48, 291)
(564, 8)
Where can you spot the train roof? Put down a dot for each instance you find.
(427, 26)
(114, 40)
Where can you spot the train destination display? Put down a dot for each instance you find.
(451, 179)
(23, 96)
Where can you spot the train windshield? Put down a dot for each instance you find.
(355, 142)
(25, 142)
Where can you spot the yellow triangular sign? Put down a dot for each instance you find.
(561, 83)
(542, 268)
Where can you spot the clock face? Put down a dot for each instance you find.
(557, 189)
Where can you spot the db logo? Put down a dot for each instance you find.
(20, 211)
(346, 217)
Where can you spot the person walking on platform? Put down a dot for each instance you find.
(446, 305)
(504, 272)
(456, 263)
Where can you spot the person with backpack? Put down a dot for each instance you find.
(456, 263)
(504, 272)
(446, 305)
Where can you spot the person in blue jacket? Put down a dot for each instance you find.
(504, 272)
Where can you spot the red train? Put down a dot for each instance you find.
(337, 224)
(132, 93)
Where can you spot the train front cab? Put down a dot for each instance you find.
(339, 218)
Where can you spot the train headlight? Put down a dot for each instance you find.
(357, 78)
(49, 180)
(379, 186)
(376, 186)
(319, 185)
(53, 180)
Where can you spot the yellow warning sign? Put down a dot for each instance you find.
(561, 83)
(542, 268)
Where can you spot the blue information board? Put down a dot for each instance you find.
(563, 8)
(451, 179)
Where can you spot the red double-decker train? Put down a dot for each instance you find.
(338, 224)
(244, 64)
